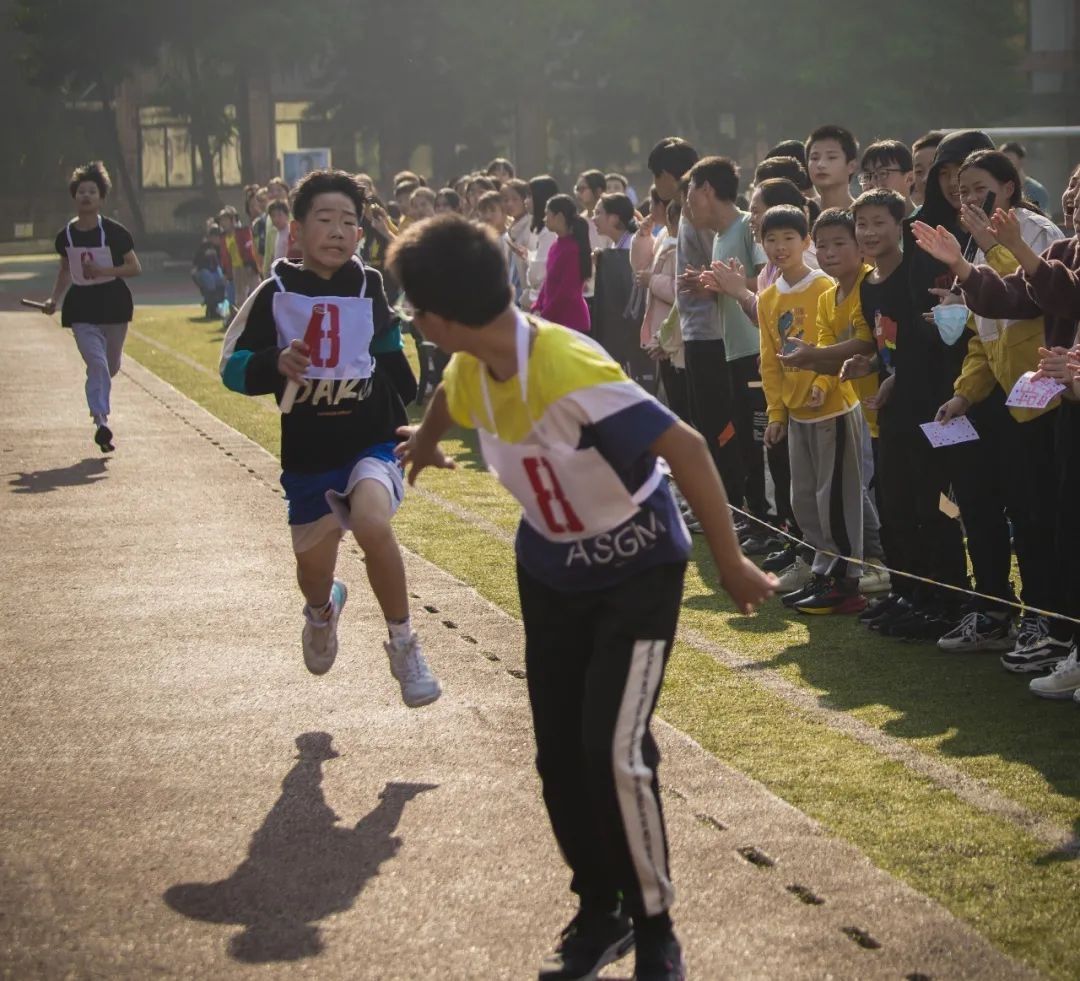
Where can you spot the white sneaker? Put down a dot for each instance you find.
(795, 576)
(1063, 682)
(1035, 649)
(418, 685)
(874, 581)
(320, 636)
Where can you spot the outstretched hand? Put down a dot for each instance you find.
(1006, 229)
(938, 242)
(746, 584)
(417, 455)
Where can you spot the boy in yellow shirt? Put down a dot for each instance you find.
(818, 413)
(843, 333)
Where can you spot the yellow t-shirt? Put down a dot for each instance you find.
(788, 312)
(564, 369)
(844, 322)
(234, 250)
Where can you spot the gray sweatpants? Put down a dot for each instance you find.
(101, 346)
(827, 489)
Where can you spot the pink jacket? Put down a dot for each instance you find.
(561, 299)
(661, 290)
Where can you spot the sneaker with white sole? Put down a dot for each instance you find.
(320, 636)
(588, 943)
(979, 631)
(795, 577)
(1062, 682)
(874, 580)
(418, 685)
(1035, 649)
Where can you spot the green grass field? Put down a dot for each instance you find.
(962, 711)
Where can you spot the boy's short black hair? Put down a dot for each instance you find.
(327, 182)
(453, 268)
(1014, 146)
(881, 197)
(881, 153)
(844, 137)
(616, 177)
(94, 171)
(834, 218)
(720, 173)
(789, 167)
(788, 148)
(277, 205)
(928, 141)
(784, 216)
(672, 155)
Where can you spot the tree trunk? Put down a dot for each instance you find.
(111, 131)
(200, 132)
(243, 125)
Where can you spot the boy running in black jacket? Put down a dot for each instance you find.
(312, 325)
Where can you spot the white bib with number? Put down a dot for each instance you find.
(566, 493)
(338, 331)
(81, 256)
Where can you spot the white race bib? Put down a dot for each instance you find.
(81, 256)
(337, 329)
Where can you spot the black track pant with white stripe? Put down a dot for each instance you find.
(595, 662)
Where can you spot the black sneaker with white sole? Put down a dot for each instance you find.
(103, 438)
(979, 631)
(1035, 649)
(588, 943)
(660, 960)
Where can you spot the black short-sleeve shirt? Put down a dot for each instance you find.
(111, 302)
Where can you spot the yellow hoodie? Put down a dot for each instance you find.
(786, 312)
(1000, 351)
(844, 321)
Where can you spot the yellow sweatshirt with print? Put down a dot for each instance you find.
(1000, 351)
(844, 321)
(787, 312)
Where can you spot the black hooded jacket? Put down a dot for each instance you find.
(930, 366)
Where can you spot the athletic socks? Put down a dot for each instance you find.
(400, 630)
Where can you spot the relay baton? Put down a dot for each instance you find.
(287, 399)
(35, 304)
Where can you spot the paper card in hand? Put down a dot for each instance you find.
(1030, 394)
(958, 430)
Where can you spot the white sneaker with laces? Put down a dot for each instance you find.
(1063, 682)
(320, 636)
(795, 576)
(874, 581)
(418, 685)
(1035, 649)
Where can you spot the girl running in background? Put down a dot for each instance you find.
(96, 255)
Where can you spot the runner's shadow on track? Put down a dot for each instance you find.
(88, 471)
(301, 865)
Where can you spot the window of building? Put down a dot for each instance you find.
(288, 117)
(168, 157)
